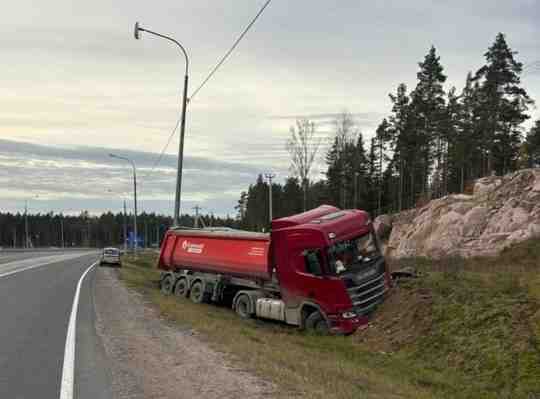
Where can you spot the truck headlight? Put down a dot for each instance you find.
(348, 315)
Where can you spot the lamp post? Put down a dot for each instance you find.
(26, 233)
(124, 220)
(270, 176)
(182, 124)
(134, 195)
(125, 227)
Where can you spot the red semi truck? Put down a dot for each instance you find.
(321, 269)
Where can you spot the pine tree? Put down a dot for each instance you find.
(377, 159)
(292, 197)
(428, 103)
(334, 172)
(241, 207)
(357, 171)
(257, 205)
(400, 137)
(457, 138)
(502, 107)
(533, 145)
(343, 160)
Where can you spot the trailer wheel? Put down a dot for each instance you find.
(242, 306)
(317, 323)
(197, 294)
(167, 284)
(181, 288)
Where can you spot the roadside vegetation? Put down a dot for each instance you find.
(464, 329)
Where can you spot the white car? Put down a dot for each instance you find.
(110, 256)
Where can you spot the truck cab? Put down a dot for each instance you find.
(329, 267)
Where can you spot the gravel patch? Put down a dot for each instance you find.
(150, 358)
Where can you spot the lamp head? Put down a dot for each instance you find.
(136, 31)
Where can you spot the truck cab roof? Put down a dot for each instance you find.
(330, 221)
(221, 232)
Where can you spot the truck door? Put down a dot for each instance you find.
(302, 275)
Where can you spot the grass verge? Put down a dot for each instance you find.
(476, 336)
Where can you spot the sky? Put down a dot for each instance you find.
(75, 86)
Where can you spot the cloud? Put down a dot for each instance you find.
(87, 175)
(331, 115)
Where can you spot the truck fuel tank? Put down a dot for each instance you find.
(270, 309)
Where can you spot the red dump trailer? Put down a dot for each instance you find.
(321, 269)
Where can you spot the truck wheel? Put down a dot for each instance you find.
(197, 294)
(167, 285)
(181, 288)
(317, 323)
(242, 306)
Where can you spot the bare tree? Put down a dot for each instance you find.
(346, 129)
(303, 147)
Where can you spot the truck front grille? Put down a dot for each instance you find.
(365, 295)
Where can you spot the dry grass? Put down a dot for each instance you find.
(482, 339)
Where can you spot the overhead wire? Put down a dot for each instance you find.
(158, 159)
(531, 68)
(235, 44)
(212, 72)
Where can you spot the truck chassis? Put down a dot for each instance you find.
(250, 298)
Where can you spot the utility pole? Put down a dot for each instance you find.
(134, 196)
(270, 176)
(197, 209)
(183, 121)
(15, 237)
(27, 242)
(125, 227)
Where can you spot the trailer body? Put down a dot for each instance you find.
(223, 251)
(309, 271)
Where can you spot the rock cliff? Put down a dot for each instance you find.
(502, 211)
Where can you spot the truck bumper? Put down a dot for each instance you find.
(340, 326)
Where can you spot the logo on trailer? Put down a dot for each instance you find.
(192, 248)
(256, 251)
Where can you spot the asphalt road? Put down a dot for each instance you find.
(37, 290)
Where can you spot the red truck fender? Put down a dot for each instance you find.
(306, 308)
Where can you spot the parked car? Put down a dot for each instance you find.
(110, 256)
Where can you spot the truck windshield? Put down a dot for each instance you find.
(346, 255)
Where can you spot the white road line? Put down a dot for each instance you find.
(68, 370)
(49, 260)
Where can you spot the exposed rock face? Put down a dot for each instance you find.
(502, 211)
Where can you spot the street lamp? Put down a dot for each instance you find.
(26, 236)
(270, 176)
(124, 221)
(183, 123)
(134, 195)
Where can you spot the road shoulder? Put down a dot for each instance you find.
(151, 358)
